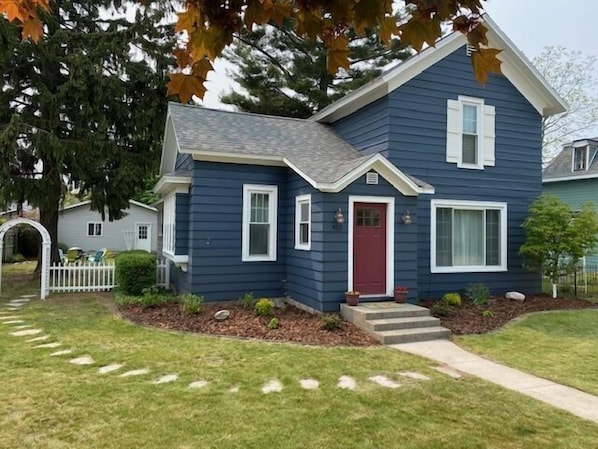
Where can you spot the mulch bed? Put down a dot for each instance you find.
(295, 325)
(298, 326)
(468, 319)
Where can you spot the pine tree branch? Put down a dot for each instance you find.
(271, 58)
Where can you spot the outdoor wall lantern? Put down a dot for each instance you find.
(406, 217)
(339, 216)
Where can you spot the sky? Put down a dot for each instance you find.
(530, 24)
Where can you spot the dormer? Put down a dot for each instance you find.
(583, 154)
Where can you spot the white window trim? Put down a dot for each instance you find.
(298, 200)
(95, 223)
(586, 150)
(390, 238)
(479, 104)
(169, 225)
(248, 189)
(474, 205)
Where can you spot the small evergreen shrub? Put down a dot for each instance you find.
(487, 314)
(16, 258)
(452, 299)
(135, 271)
(440, 308)
(478, 293)
(273, 324)
(151, 297)
(264, 307)
(191, 304)
(330, 321)
(247, 301)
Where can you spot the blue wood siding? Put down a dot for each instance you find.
(181, 242)
(216, 270)
(184, 161)
(576, 193)
(417, 145)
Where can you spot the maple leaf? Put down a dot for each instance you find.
(188, 19)
(32, 28)
(183, 58)
(309, 24)
(420, 30)
(280, 11)
(185, 86)
(12, 10)
(484, 61)
(201, 68)
(388, 27)
(477, 36)
(255, 13)
(337, 54)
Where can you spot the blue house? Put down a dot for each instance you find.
(420, 178)
(572, 176)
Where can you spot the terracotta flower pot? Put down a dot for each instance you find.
(352, 298)
(400, 295)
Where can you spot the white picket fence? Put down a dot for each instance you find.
(93, 277)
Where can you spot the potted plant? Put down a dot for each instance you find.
(352, 297)
(400, 293)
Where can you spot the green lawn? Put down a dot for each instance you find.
(561, 346)
(46, 402)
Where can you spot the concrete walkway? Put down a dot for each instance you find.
(446, 352)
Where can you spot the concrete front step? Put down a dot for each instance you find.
(393, 323)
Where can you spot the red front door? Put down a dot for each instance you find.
(369, 248)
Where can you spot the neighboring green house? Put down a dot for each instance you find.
(573, 177)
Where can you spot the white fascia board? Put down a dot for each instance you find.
(74, 206)
(145, 206)
(570, 178)
(180, 184)
(293, 167)
(235, 158)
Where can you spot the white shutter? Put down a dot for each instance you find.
(488, 136)
(453, 131)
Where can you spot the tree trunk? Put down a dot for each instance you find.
(48, 210)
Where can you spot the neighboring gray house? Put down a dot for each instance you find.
(79, 226)
(572, 176)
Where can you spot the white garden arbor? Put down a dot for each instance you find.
(46, 243)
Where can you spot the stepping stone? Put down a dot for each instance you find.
(83, 360)
(23, 326)
(63, 352)
(13, 322)
(28, 296)
(412, 375)
(13, 309)
(198, 384)
(234, 389)
(449, 371)
(346, 383)
(42, 338)
(49, 345)
(384, 381)
(309, 384)
(273, 386)
(21, 300)
(10, 317)
(26, 332)
(135, 372)
(166, 379)
(109, 368)
(14, 306)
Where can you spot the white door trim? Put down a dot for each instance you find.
(390, 238)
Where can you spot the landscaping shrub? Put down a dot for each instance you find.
(64, 247)
(135, 271)
(440, 308)
(452, 299)
(264, 307)
(330, 321)
(191, 304)
(15, 258)
(247, 301)
(273, 324)
(152, 297)
(478, 293)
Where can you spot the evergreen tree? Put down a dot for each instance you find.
(285, 74)
(85, 105)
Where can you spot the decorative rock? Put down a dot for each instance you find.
(109, 368)
(273, 386)
(221, 315)
(23, 326)
(83, 360)
(234, 389)
(49, 345)
(515, 295)
(309, 384)
(26, 332)
(13, 322)
(14, 305)
(346, 383)
(416, 376)
(448, 371)
(198, 384)
(384, 381)
(135, 372)
(166, 379)
(9, 317)
(42, 338)
(63, 352)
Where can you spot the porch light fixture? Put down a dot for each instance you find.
(339, 216)
(406, 217)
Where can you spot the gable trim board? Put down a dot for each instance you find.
(133, 202)
(170, 184)
(515, 67)
(570, 178)
(390, 238)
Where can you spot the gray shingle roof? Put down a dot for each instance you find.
(562, 165)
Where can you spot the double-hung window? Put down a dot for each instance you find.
(580, 158)
(303, 222)
(470, 136)
(94, 229)
(168, 224)
(468, 236)
(259, 223)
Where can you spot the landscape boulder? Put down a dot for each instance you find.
(515, 295)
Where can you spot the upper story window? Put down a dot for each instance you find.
(303, 222)
(94, 229)
(470, 133)
(260, 204)
(468, 236)
(168, 224)
(580, 158)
